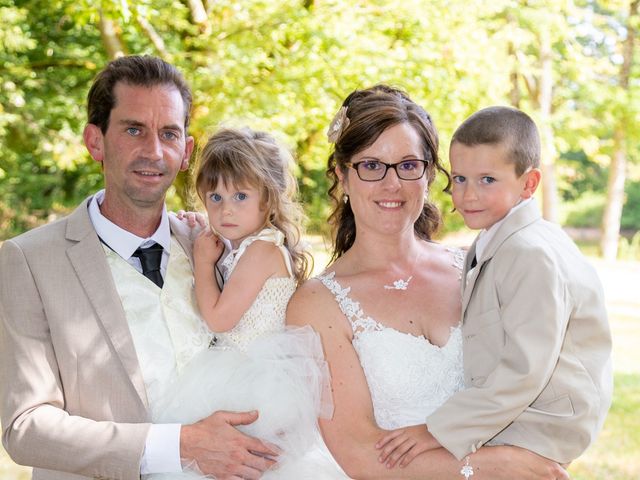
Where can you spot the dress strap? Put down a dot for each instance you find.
(268, 234)
(349, 307)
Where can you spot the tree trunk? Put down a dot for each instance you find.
(152, 35)
(549, 153)
(110, 39)
(199, 14)
(618, 168)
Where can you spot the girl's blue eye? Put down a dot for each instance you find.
(458, 179)
(240, 196)
(215, 197)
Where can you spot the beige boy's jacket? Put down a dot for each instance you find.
(72, 395)
(537, 346)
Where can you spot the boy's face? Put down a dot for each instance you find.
(485, 184)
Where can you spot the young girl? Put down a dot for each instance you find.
(254, 363)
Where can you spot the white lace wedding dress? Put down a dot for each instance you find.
(408, 376)
(260, 365)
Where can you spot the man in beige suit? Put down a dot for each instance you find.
(85, 340)
(536, 340)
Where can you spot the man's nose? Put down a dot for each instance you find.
(153, 148)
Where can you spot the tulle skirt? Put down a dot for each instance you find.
(284, 377)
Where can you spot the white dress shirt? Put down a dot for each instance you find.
(162, 447)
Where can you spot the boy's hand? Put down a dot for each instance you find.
(404, 445)
(207, 248)
(192, 219)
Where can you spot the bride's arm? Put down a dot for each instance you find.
(352, 433)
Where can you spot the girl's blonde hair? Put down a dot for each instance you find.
(246, 157)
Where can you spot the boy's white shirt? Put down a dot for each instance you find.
(485, 236)
(162, 446)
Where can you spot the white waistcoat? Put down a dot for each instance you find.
(165, 325)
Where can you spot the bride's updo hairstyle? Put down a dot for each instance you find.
(364, 115)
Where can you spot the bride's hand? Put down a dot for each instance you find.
(404, 445)
(507, 462)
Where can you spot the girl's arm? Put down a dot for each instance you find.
(352, 433)
(222, 310)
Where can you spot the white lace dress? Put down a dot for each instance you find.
(260, 365)
(408, 376)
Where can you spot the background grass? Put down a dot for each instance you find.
(614, 456)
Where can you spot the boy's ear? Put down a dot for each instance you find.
(531, 182)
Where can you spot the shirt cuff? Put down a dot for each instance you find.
(162, 450)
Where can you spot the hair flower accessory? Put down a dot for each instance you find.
(337, 125)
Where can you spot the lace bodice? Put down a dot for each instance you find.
(267, 312)
(408, 376)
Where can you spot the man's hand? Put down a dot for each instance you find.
(192, 219)
(404, 445)
(217, 448)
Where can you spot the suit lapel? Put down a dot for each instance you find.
(88, 259)
(519, 219)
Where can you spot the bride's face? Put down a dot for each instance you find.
(391, 205)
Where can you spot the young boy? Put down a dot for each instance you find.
(536, 340)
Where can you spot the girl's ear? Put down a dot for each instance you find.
(531, 182)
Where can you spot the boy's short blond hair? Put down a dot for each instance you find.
(510, 126)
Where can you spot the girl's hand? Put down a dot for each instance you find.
(404, 445)
(207, 248)
(192, 219)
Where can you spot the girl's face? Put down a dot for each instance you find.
(235, 212)
(390, 205)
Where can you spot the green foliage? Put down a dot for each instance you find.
(286, 66)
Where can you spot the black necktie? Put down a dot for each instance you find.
(150, 259)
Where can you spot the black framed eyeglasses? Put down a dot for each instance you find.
(375, 170)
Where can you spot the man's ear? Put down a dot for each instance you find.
(188, 150)
(94, 141)
(531, 182)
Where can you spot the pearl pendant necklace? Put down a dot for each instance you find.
(399, 284)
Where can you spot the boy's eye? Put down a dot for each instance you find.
(458, 179)
(240, 196)
(215, 197)
(487, 180)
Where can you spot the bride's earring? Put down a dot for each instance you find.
(345, 198)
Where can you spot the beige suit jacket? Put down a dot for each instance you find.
(537, 346)
(73, 398)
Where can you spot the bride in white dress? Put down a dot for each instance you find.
(388, 306)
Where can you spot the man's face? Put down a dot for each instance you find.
(143, 149)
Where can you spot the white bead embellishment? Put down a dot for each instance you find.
(467, 470)
(399, 284)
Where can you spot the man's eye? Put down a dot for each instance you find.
(215, 198)
(241, 196)
(170, 135)
(133, 131)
